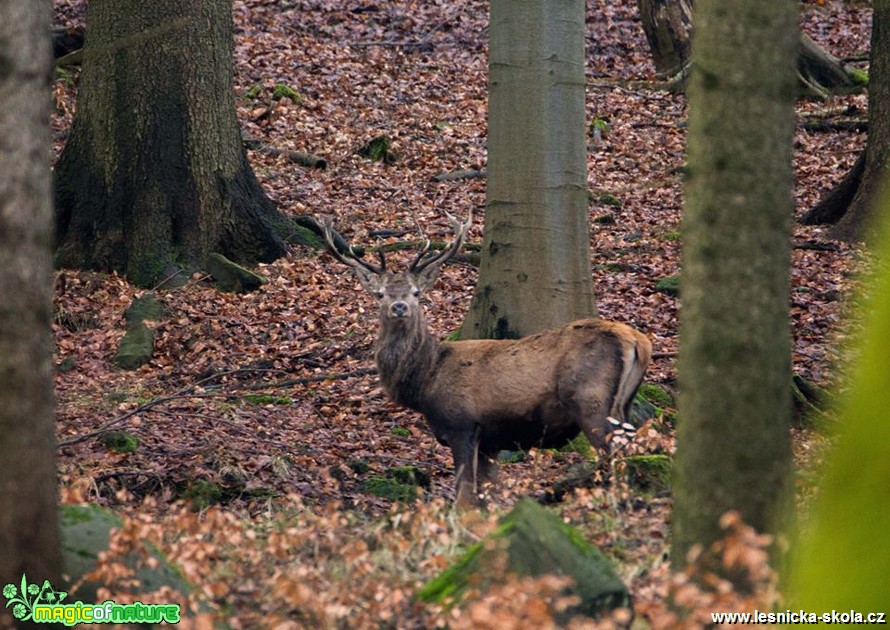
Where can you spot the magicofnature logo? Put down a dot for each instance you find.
(43, 604)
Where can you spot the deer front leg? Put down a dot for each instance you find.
(465, 448)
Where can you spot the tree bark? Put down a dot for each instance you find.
(668, 28)
(733, 445)
(535, 267)
(855, 224)
(29, 536)
(832, 206)
(154, 175)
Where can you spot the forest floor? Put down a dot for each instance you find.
(263, 404)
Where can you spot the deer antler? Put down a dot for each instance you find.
(353, 260)
(460, 233)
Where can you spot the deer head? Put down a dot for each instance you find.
(398, 293)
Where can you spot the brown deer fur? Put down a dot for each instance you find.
(483, 396)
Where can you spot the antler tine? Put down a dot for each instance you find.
(460, 232)
(423, 251)
(353, 260)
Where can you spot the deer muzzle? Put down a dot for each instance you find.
(399, 309)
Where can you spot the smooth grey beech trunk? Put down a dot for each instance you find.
(733, 444)
(535, 268)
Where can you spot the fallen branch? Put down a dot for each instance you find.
(303, 159)
(321, 378)
(466, 173)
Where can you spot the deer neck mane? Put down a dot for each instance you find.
(406, 357)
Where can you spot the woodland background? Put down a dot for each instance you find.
(260, 426)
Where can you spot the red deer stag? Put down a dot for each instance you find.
(483, 396)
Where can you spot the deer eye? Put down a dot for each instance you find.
(415, 292)
(379, 294)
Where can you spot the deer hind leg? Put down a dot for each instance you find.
(488, 467)
(594, 422)
(603, 402)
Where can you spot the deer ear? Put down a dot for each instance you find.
(427, 277)
(370, 281)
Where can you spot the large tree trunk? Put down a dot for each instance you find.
(154, 174)
(29, 537)
(535, 267)
(668, 28)
(733, 446)
(855, 224)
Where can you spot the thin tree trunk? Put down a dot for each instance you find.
(29, 536)
(733, 445)
(535, 267)
(154, 174)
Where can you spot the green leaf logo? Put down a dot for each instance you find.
(24, 599)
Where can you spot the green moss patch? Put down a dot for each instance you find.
(649, 473)
(120, 442)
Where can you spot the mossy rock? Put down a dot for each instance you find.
(135, 348)
(536, 542)
(137, 344)
(378, 149)
(400, 483)
(641, 410)
(389, 489)
(66, 365)
(232, 277)
(409, 475)
(579, 444)
(285, 91)
(608, 199)
(145, 307)
(656, 395)
(120, 442)
(201, 494)
(85, 533)
(579, 475)
(359, 465)
(605, 219)
(511, 457)
(649, 473)
(669, 285)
